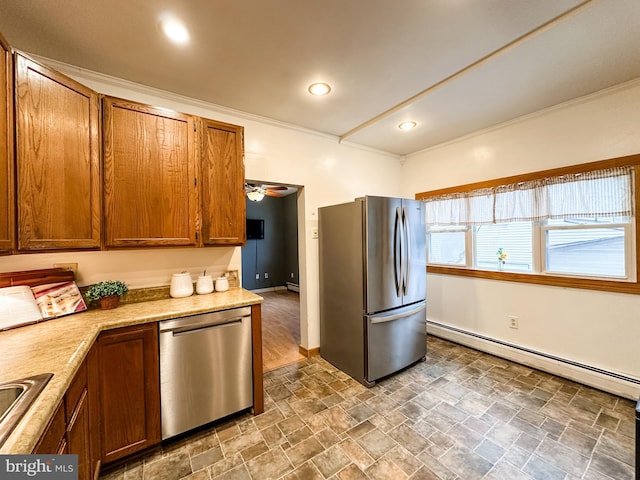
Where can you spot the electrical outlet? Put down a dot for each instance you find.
(72, 267)
(291, 274)
(232, 276)
(257, 276)
(513, 322)
(266, 275)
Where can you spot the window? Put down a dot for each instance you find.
(595, 247)
(515, 240)
(447, 245)
(572, 227)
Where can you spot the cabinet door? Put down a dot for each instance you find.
(78, 437)
(129, 389)
(222, 184)
(7, 212)
(76, 402)
(58, 160)
(53, 439)
(150, 175)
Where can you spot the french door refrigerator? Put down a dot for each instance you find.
(372, 286)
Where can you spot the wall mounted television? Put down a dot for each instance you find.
(255, 229)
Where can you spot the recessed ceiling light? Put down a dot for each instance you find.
(319, 89)
(407, 125)
(175, 31)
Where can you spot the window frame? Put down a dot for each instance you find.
(539, 278)
(629, 241)
(468, 245)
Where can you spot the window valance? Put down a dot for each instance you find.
(597, 193)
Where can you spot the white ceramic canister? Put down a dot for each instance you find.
(204, 284)
(181, 285)
(222, 284)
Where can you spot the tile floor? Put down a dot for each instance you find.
(461, 415)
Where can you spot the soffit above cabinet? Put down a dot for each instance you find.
(453, 67)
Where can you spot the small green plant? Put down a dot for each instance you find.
(106, 289)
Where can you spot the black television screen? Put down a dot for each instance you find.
(255, 229)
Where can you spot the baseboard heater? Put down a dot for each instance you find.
(611, 382)
(294, 287)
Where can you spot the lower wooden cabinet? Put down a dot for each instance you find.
(54, 439)
(128, 382)
(77, 420)
(111, 410)
(69, 429)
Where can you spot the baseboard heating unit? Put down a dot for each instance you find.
(611, 382)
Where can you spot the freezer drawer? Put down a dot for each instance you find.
(205, 369)
(395, 340)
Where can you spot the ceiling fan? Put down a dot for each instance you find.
(257, 192)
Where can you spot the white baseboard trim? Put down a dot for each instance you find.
(268, 289)
(594, 377)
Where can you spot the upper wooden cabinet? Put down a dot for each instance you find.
(149, 175)
(57, 160)
(222, 184)
(7, 209)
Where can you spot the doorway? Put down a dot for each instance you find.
(270, 268)
(280, 329)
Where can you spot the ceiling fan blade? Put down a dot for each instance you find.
(276, 188)
(271, 193)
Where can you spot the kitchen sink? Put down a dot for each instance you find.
(15, 399)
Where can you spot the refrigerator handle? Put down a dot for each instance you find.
(389, 318)
(406, 252)
(397, 252)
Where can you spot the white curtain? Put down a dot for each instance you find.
(602, 193)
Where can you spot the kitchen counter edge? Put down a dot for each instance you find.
(60, 346)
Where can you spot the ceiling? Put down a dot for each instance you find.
(452, 66)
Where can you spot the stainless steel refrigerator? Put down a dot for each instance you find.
(372, 286)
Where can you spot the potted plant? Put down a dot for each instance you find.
(107, 293)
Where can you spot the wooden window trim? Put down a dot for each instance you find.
(539, 279)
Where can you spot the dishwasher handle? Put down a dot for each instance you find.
(205, 320)
(199, 327)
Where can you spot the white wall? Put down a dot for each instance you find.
(329, 172)
(595, 328)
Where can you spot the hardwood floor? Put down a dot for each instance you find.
(280, 329)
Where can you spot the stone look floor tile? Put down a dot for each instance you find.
(384, 470)
(331, 461)
(376, 443)
(404, 460)
(538, 468)
(466, 463)
(356, 453)
(562, 457)
(304, 451)
(306, 471)
(460, 415)
(352, 472)
(172, 467)
(204, 459)
(271, 465)
(237, 473)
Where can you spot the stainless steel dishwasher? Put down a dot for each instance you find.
(205, 368)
